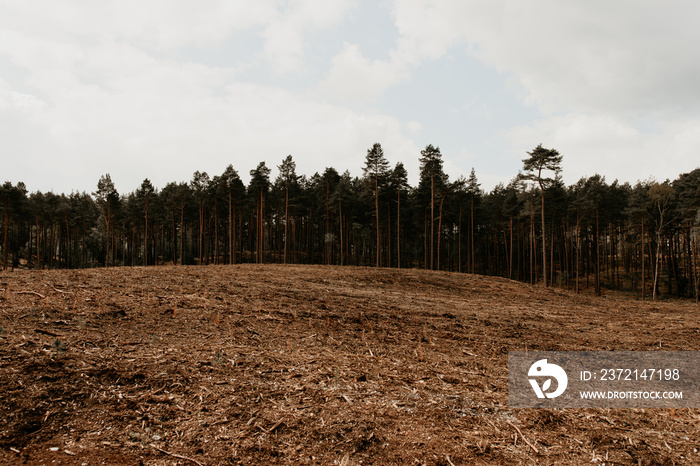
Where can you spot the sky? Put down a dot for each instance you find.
(160, 89)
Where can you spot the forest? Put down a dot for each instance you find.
(593, 235)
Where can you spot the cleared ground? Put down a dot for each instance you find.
(313, 365)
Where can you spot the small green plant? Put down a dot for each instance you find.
(58, 346)
(2, 330)
(219, 357)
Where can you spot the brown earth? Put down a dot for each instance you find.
(313, 365)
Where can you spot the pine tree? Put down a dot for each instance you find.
(145, 192)
(287, 180)
(473, 188)
(342, 194)
(233, 189)
(540, 160)
(399, 183)
(323, 187)
(107, 199)
(177, 198)
(594, 192)
(433, 180)
(11, 204)
(200, 184)
(258, 188)
(511, 207)
(376, 170)
(637, 213)
(660, 194)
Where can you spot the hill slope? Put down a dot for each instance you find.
(310, 364)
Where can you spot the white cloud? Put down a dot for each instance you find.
(24, 104)
(284, 47)
(355, 80)
(166, 25)
(169, 123)
(615, 57)
(155, 25)
(414, 126)
(285, 32)
(93, 93)
(95, 87)
(427, 28)
(612, 147)
(615, 82)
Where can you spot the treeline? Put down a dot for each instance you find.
(593, 234)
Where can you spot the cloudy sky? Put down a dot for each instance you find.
(160, 88)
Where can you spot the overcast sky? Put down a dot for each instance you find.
(160, 88)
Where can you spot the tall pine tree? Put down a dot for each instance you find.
(376, 170)
(542, 160)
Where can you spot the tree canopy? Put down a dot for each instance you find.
(638, 238)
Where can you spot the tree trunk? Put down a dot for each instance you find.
(551, 258)
(231, 250)
(340, 216)
(174, 242)
(216, 232)
(286, 224)
(506, 256)
(578, 250)
(471, 236)
(261, 243)
(376, 209)
(510, 260)
(233, 231)
(145, 238)
(398, 228)
(201, 231)
(657, 262)
(673, 266)
(459, 240)
(544, 240)
(326, 244)
(425, 239)
(387, 260)
(644, 283)
(38, 245)
(4, 239)
(567, 253)
(240, 233)
(695, 270)
(82, 247)
(51, 247)
(68, 237)
(432, 220)
(597, 253)
(439, 232)
(519, 271)
(108, 238)
(532, 244)
(182, 235)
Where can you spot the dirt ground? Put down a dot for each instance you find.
(325, 365)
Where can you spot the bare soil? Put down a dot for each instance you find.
(281, 364)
